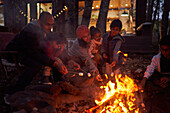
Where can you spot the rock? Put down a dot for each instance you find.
(29, 99)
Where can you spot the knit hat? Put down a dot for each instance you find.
(81, 30)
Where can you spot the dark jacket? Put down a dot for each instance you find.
(110, 46)
(27, 43)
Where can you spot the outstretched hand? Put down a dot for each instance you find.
(60, 66)
(97, 75)
(75, 65)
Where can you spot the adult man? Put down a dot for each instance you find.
(79, 50)
(27, 43)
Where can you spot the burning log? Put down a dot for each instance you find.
(120, 96)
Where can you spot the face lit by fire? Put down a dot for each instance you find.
(47, 24)
(165, 50)
(57, 46)
(114, 31)
(86, 37)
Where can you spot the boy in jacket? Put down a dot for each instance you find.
(111, 44)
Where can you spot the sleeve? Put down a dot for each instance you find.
(104, 44)
(31, 46)
(91, 49)
(150, 68)
(85, 57)
(115, 51)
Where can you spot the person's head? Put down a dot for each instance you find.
(46, 22)
(95, 33)
(165, 46)
(83, 33)
(57, 40)
(115, 27)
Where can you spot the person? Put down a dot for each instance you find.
(54, 46)
(79, 51)
(159, 70)
(156, 80)
(111, 44)
(95, 46)
(27, 43)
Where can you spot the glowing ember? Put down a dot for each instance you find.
(119, 97)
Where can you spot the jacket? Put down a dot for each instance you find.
(81, 55)
(155, 64)
(111, 47)
(27, 43)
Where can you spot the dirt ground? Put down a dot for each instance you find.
(135, 65)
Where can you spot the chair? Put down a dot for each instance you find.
(8, 70)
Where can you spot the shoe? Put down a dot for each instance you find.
(7, 99)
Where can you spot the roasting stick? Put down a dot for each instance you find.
(83, 70)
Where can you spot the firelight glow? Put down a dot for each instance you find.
(119, 96)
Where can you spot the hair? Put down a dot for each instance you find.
(94, 30)
(57, 36)
(116, 23)
(165, 40)
(44, 15)
(81, 30)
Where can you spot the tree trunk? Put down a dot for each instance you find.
(87, 12)
(101, 22)
(155, 12)
(164, 25)
(150, 10)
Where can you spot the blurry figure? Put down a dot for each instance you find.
(79, 50)
(95, 46)
(159, 70)
(111, 44)
(157, 80)
(27, 43)
(53, 46)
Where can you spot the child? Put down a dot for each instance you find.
(159, 69)
(95, 45)
(54, 46)
(110, 46)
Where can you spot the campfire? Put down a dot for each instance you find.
(120, 96)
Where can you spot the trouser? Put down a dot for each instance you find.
(57, 76)
(32, 67)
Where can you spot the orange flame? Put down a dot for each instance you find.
(119, 96)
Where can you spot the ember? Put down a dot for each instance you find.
(119, 97)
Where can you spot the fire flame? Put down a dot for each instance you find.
(119, 97)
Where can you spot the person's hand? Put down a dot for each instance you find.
(97, 75)
(163, 82)
(73, 64)
(60, 66)
(105, 56)
(113, 63)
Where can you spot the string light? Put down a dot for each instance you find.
(60, 12)
(56, 16)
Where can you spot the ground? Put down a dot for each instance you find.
(135, 66)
